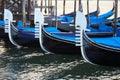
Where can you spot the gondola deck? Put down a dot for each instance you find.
(108, 41)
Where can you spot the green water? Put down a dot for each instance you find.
(33, 64)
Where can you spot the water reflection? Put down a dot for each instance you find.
(33, 64)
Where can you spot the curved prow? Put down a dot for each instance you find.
(39, 23)
(81, 24)
(38, 17)
(80, 20)
(8, 18)
(107, 14)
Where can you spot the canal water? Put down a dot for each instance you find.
(33, 64)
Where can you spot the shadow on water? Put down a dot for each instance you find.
(32, 64)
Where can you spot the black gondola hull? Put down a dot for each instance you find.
(58, 46)
(25, 39)
(100, 55)
(2, 33)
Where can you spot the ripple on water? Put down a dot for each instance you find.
(30, 64)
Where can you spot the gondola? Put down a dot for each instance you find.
(53, 40)
(66, 20)
(93, 15)
(102, 50)
(24, 35)
(19, 35)
(14, 32)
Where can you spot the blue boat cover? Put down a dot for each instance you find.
(101, 28)
(68, 19)
(98, 21)
(51, 29)
(2, 23)
(60, 35)
(28, 29)
(104, 16)
(71, 36)
(20, 24)
(66, 36)
(118, 32)
(25, 28)
(118, 24)
(93, 19)
(110, 41)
